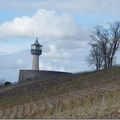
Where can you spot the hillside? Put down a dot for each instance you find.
(80, 95)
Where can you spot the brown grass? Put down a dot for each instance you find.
(27, 93)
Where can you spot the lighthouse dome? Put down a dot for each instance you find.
(36, 48)
(36, 42)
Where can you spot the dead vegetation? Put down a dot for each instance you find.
(32, 99)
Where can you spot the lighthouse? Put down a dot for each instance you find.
(35, 73)
(36, 51)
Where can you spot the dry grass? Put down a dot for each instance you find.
(33, 90)
(26, 93)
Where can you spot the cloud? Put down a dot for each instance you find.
(54, 52)
(51, 67)
(45, 24)
(19, 62)
(106, 7)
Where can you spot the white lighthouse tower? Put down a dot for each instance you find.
(36, 51)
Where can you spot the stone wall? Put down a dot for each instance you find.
(26, 75)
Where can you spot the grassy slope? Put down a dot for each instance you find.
(34, 90)
(83, 83)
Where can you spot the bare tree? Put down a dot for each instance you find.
(2, 81)
(114, 42)
(100, 37)
(95, 57)
(106, 43)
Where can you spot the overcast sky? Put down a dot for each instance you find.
(63, 28)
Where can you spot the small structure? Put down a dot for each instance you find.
(36, 51)
(7, 83)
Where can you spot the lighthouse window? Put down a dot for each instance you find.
(40, 48)
(37, 48)
(33, 47)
